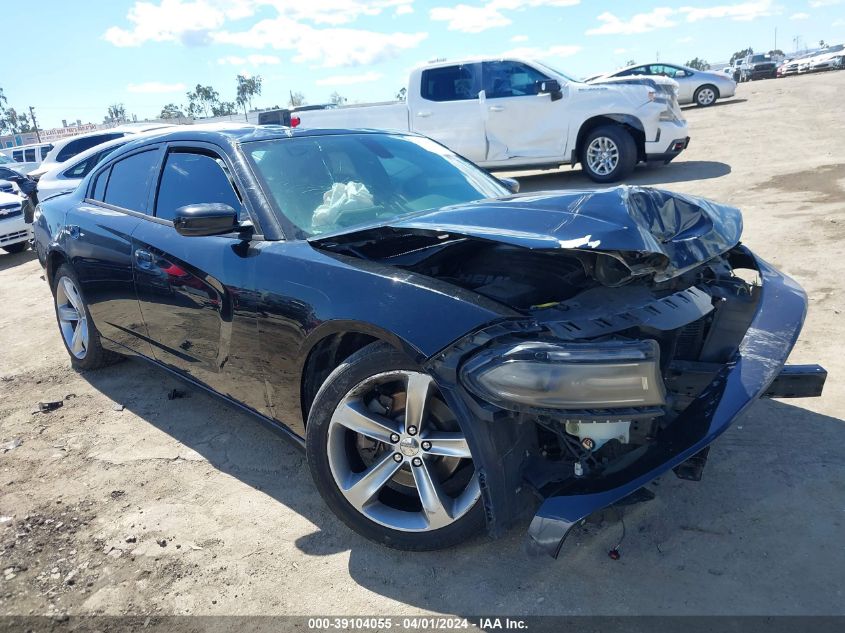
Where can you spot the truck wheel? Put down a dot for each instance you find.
(706, 96)
(20, 247)
(609, 154)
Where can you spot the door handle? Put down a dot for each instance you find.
(144, 258)
(73, 231)
(497, 108)
(424, 113)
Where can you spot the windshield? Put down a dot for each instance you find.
(322, 184)
(5, 159)
(760, 58)
(557, 72)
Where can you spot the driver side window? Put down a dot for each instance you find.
(195, 178)
(510, 79)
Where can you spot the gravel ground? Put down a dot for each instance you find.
(125, 502)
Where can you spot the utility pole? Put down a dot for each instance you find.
(34, 123)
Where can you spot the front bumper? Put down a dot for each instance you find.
(757, 363)
(14, 229)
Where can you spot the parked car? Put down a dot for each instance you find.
(282, 116)
(445, 351)
(67, 148)
(758, 67)
(25, 158)
(700, 87)
(14, 231)
(829, 58)
(69, 174)
(517, 113)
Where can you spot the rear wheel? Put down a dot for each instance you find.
(706, 96)
(388, 455)
(609, 154)
(79, 334)
(20, 247)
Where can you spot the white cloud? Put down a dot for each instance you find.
(331, 47)
(155, 87)
(348, 80)
(824, 3)
(665, 17)
(838, 23)
(403, 9)
(469, 19)
(799, 16)
(684, 40)
(513, 5)
(741, 11)
(619, 51)
(532, 52)
(639, 23)
(250, 60)
(169, 21)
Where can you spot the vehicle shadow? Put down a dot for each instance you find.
(719, 103)
(734, 543)
(678, 171)
(10, 260)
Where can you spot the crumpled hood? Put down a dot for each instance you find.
(650, 230)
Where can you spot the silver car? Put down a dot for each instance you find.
(694, 86)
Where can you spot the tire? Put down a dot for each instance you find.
(706, 95)
(93, 356)
(602, 141)
(394, 514)
(20, 247)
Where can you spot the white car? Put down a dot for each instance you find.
(14, 232)
(517, 113)
(67, 148)
(694, 86)
(829, 58)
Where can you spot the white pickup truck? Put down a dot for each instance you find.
(515, 113)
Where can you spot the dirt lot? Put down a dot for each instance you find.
(123, 501)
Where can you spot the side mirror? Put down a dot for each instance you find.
(511, 184)
(550, 87)
(195, 220)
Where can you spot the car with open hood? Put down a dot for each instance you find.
(451, 355)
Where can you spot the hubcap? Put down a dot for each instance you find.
(400, 484)
(72, 320)
(602, 155)
(706, 96)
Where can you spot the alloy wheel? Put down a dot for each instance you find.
(706, 96)
(72, 320)
(398, 456)
(602, 155)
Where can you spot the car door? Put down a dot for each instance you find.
(520, 122)
(687, 82)
(448, 110)
(197, 294)
(97, 240)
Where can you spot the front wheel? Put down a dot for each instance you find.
(609, 154)
(388, 456)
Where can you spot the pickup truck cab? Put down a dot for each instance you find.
(516, 113)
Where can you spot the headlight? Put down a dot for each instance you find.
(669, 115)
(568, 375)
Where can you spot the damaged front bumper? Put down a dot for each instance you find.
(756, 370)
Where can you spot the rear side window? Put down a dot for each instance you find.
(18, 156)
(129, 182)
(451, 83)
(100, 185)
(45, 149)
(192, 178)
(83, 168)
(81, 144)
(29, 155)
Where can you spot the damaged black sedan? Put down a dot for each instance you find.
(450, 354)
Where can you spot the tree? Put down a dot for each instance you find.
(337, 98)
(116, 114)
(776, 52)
(248, 87)
(631, 62)
(15, 123)
(698, 64)
(222, 108)
(171, 111)
(741, 54)
(296, 99)
(402, 94)
(202, 100)
(822, 44)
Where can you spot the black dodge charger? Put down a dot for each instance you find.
(450, 354)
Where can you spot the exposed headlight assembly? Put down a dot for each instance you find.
(604, 375)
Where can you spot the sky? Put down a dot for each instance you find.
(74, 59)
